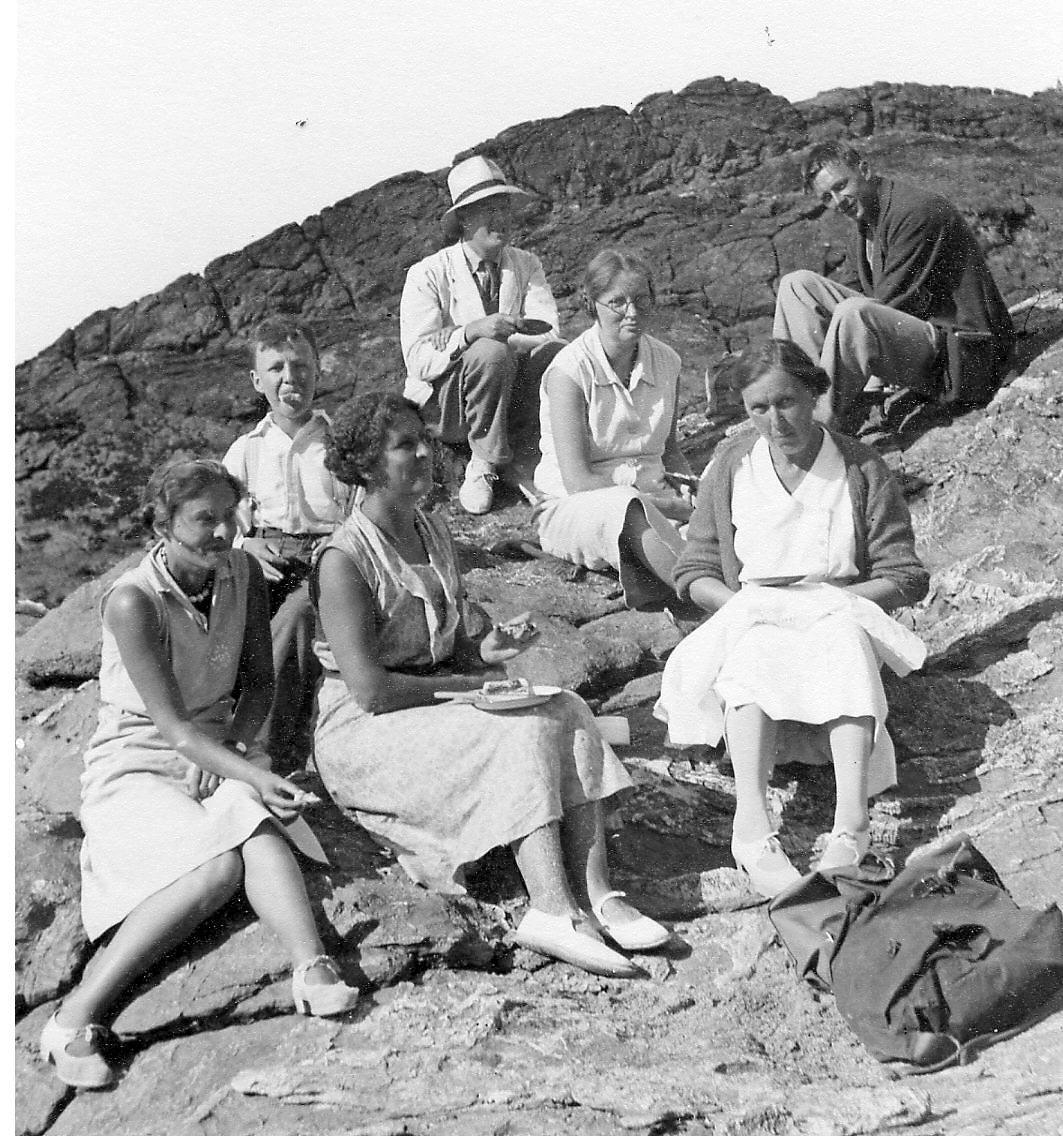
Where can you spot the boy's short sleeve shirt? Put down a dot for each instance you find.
(288, 486)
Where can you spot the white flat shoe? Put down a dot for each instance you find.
(844, 850)
(559, 937)
(80, 1071)
(765, 863)
(321, 1000)
(642, 934)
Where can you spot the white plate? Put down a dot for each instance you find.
(539, 695)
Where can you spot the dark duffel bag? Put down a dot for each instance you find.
(938, 961)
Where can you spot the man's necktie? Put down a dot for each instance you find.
(487, 280)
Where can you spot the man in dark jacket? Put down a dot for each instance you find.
(927, 314)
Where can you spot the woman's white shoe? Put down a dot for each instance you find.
(641, 934)
(80, 1071)
(844, 849)
(765, 863)
(321, 999)
(559, 936)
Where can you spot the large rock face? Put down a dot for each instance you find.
(703, 181)
(458, 1032)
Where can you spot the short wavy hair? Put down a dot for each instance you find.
(825, 154)
(275, 331)
(359, 433)
(610, 263)
(180, 480)
(778, 355)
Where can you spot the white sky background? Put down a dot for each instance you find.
(151, 138)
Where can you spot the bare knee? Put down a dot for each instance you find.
(635, 522)
(219, 879)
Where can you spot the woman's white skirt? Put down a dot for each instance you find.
(805, 655)
(585, 528)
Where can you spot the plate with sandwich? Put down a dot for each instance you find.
(501, 695)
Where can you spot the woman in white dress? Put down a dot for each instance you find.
(800, 545)
(443, 782)
(608, 438)
(179, 807)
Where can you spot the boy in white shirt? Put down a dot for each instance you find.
(292, 503)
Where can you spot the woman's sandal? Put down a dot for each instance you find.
(80, 1071)
(641, 934)
(321, 999)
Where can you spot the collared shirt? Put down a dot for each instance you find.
(628, 427)
(288, 486)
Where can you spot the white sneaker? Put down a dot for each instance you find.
(476, 495)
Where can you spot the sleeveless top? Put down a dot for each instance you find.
(204, 658)
(627, 426)
(416, 617)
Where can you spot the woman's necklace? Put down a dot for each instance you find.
(194, 598)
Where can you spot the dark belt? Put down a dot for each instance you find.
(265, 530)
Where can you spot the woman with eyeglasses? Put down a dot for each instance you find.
(608, 438)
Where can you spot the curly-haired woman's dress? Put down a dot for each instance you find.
(441, 785)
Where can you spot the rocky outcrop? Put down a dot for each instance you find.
(457, 1030)
(704, 181)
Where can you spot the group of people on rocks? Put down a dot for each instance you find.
(298, 593)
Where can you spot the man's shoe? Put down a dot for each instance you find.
(477, 493)
(765, 863)
(571, 939)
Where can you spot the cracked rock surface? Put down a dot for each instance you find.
(459, 1033)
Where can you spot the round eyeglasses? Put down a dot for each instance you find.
(642, 304)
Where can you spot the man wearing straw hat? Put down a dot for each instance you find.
(478, 325)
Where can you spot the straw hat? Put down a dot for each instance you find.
(477, 178)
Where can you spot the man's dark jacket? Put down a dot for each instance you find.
(926, 262)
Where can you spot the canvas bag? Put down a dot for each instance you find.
(938, 960)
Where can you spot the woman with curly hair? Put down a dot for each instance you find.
(442, 783)
(179, 807)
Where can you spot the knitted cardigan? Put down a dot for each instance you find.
(885, 544)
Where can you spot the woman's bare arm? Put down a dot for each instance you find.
(571, 433)
(349, 621)
(132, 619)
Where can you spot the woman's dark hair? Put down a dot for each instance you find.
(608, 265)
(359, 432)
(779, 355)
(178, 481)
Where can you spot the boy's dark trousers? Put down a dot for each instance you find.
(287, 732)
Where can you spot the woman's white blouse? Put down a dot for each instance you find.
(809, 534)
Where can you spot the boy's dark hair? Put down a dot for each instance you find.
(359, 431)
(275, 332)
(825, 154)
